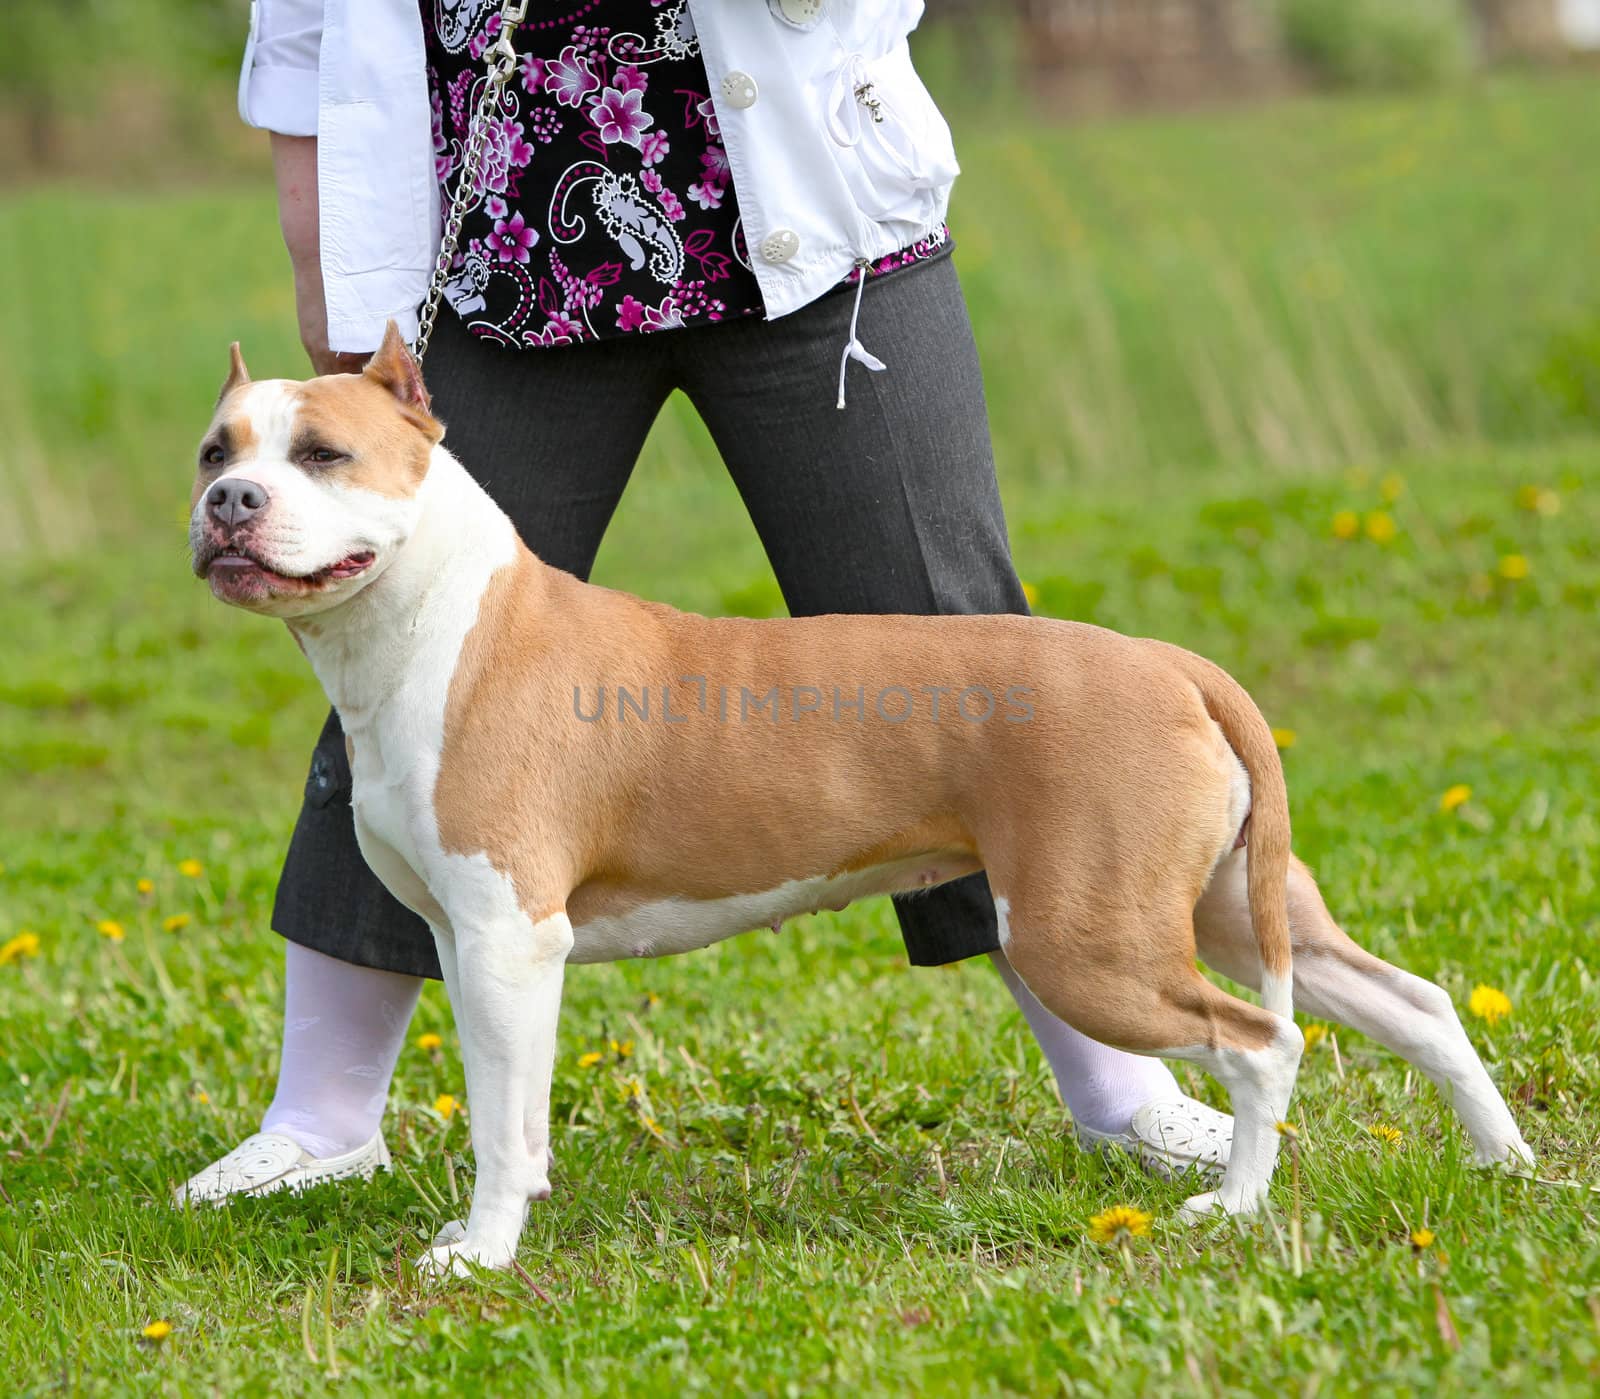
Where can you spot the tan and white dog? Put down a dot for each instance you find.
(550, 772)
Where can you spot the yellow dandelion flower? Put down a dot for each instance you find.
(1315, 1034)
(429, 1042)
(1421, 1239)
(589, 1060)
(1118, 1223)
(1285, 738)
(24, 944)
(1288, 1129)
(176, 922)
(110, 928)
(1346, 525)
(651, 1000)
(445, 1105)
(201, 1096)
(157, 1331)
(622, 1049)
(1488, 1004)
(1513, 568)
(1454, 797)
(145, 886)
(1031, 593)
(1391, 488)
(1381, 528)
(1539, 500)
(191, 869)
(1389, 1136)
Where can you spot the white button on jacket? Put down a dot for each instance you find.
(800, 12)
(739, 90)
(780, 245)
(835, 147)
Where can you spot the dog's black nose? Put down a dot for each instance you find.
(234, 500)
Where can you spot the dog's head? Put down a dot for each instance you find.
(306, 491)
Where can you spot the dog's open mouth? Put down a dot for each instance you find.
(236, 574)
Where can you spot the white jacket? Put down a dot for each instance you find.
(837, 151)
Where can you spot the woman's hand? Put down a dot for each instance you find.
(294, 165)
(312, 312)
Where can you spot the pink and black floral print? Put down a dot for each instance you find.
(604, 204)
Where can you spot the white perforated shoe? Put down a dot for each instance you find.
(1171, 1137)
(271, 1161)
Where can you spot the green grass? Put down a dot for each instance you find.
(864, 1180)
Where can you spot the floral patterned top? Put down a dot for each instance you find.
(604, 201)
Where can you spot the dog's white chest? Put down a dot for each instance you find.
(389, 811)
(385, 808)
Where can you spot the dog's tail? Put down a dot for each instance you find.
(1267, 848)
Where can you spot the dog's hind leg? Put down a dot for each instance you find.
(1256, 1057)
(1338, 980)
(1134, 985)
(504, 975)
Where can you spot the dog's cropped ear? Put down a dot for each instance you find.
(396, 368)
(237, 373)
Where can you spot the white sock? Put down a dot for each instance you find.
(343, 1027)
(1102, 1087)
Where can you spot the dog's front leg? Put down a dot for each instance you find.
(504, 977)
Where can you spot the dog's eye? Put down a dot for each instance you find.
(322, 456)
(212, 456)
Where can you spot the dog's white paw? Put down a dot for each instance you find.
(1218, 1204)
(1514, 1153)
(458, 1255)
(1198, 1208)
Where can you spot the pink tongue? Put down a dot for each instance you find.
(349, 567)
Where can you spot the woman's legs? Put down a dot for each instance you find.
(892, 506)
(343, 1027)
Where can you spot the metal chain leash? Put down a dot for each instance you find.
(502, 62)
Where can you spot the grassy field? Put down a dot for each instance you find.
(1318, 396)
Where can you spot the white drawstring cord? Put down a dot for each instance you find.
(855, 350)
